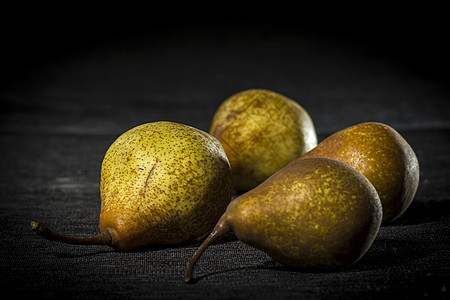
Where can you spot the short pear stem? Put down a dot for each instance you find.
(103, 238)
(220, 230)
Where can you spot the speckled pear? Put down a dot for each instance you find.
(316, 214)
(162, 183)
(382, 155)
(261, 132)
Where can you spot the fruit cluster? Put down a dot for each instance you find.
(307, 205)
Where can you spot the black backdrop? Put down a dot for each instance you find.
(71, 85)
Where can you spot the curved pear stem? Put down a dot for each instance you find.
(103, 238)
(220, 230)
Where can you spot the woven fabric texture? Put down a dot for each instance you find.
(62, 111)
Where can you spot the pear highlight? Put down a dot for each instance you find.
(382, 155)
(261, 132)
(162, 183)
(316, 214)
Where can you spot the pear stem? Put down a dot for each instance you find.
(220, 230)
(103, 238)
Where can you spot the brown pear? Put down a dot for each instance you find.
(316, 214)
(261, 132)
(382, 155)
(162, 183)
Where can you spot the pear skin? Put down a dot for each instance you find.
(382, 155)
(162, 183)
(261, 131)
(315, 214)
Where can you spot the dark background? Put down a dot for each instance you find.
(75, 79)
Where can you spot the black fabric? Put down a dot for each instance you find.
(66, 102)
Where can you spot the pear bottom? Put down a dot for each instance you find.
(315, 214)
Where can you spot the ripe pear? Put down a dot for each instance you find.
(162, 183)
(316, 214)
(382, 155)
(261, 131)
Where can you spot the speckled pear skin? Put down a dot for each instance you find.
(316, 214)
(382, 155)
(163, 183)
(261, 131)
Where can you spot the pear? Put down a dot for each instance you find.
(382, 155)
(162, 183)
(261, 131)
(315, 214)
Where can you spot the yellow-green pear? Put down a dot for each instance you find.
(261, 131)
(382, 155)
(316, 214)
(162, 183)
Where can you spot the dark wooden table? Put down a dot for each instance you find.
(70, 93)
